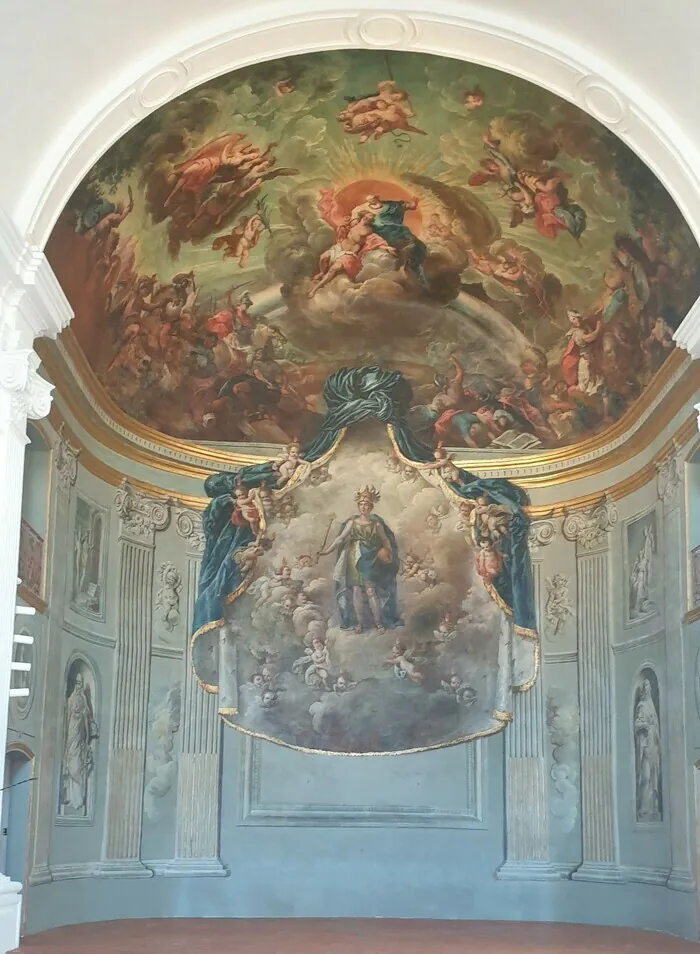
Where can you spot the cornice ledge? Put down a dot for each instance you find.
(32, 303)
(687, 334)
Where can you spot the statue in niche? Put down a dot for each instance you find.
(647, 748)
(642, 542)
(168, 596)
(79, 735)
(87, 559)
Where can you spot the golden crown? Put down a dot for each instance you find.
(367, 493)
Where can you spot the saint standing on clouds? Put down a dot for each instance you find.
(366, 566)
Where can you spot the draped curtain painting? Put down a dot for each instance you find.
(363, 594)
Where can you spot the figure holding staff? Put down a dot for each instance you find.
(366, 566)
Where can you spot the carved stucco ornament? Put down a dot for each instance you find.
(188, 524)
(141, 515)
(29, 394)
(669, 475)
(65, 460)
(542, 533)
(588, 528)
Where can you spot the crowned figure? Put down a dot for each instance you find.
(367, 563)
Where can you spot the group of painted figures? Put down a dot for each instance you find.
(196, 366)
(368, 572)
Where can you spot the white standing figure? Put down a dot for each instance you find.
(647, 745)
(80, 731)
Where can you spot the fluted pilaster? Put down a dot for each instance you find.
(197, 835)
(527, 841)
(591, 531)
(140, 518)
(676, 781)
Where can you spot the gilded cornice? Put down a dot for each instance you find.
(86, 400)
(617, 491)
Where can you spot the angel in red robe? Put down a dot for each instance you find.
(355, 237)
(229, 151)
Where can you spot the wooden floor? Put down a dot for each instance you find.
(297, 936)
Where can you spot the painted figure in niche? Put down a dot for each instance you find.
(641, 576)
(80, 732)
(87, 557)
(386, 111)
(647, 749)
(366, 566)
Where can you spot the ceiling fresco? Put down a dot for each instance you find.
(506, 253)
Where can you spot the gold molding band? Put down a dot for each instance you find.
(651, 427)
(617, 491)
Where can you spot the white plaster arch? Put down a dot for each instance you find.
(467, 31)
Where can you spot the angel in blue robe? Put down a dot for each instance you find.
(388, 223)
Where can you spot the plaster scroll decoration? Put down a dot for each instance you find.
(29, 394)
(541, 534)
(588, 528)
(669, 475)
(66, 461)
(168, 595)
(383, 30)
(141, 515)
(558, 609)
(188, 524)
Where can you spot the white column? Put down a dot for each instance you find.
(676, 779)
(197, 833)
(139, 517)
(23, 394)
(31, 304)
(591, 531)
(65, 473)
(527, 838)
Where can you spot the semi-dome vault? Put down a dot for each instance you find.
(503, 250)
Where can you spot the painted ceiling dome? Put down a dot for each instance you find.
(509, 255)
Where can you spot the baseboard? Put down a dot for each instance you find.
(71, 872)
(122, 868)
(534, 871)
(188, 868)
(680, 879)
(606, 872)
(40, 874)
